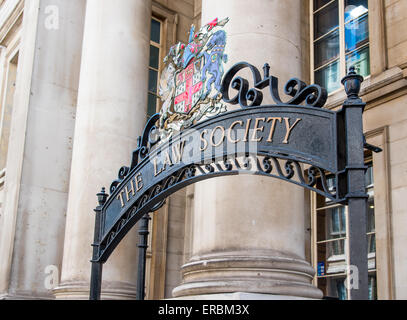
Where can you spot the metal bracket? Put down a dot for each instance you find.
(371, 147)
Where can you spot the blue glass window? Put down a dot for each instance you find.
(356, 33)
(372, 288)
(154, 57)
(320, 3)
(339, 45)
(329, 76)
(153, 69)
(355, 8)
(326, 19)
(341, 289)
(360, 60)
(155, 31)
(152, 104)
(326, 49)
(330, 241)
(152, 81)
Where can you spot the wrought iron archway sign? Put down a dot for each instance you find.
(279, 140)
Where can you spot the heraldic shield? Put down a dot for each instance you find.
(190, 83)
(188, 87)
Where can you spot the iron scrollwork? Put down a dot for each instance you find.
(279, 165)
(296, 165)
(312, 95)
(145, 142)
(268, 165)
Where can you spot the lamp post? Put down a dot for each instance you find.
(96, 272)
(357, 273)
(141, 273)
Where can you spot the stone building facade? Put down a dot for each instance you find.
(78, 80)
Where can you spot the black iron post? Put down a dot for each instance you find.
(141, 272)
(96, 271)
(357, 279)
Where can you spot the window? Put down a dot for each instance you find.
(153, 100)
(340, 37)
(154, 66)
(329, 241)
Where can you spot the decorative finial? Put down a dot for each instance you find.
(266, 70)
(102, 196)
(352, 82)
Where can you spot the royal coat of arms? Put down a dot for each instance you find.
(191, 80)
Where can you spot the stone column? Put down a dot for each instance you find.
(39, 148)
(111, 114)
(248, 231)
